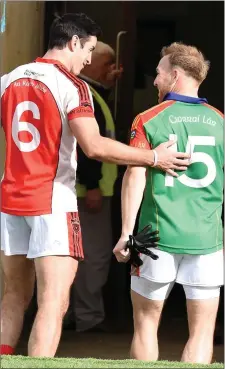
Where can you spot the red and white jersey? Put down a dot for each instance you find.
(37, 102)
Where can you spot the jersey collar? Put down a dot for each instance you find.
(185, 99)
(50, 61)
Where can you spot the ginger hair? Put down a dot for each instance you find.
(189, 58)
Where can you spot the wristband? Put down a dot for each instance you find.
(155, 158)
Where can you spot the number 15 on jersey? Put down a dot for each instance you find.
(196, 157)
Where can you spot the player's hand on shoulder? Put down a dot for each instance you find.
(169, 160)
(119, 251)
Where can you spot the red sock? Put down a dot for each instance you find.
(6, 350)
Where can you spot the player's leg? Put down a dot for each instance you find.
(19, 277)
(147, 308)
(55, 275)
(149, 292)
(202, 306)
(55, 245)
(202, 292)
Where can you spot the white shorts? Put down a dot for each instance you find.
(160, 291)
(194, 270)
(41, 235)
(201, 275)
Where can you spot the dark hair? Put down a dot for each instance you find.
(65, 27)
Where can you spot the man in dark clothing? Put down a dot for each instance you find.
(94, 191)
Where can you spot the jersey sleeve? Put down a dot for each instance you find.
(3, 83)
(80, 102)
(138, 136)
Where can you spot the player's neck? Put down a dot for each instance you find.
(58, 55)
(186, 88)
(187, 92)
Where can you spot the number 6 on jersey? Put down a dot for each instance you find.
(18, 126)
(196, 157)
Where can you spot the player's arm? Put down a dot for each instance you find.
(86, 131)
(133, 186)
(97, 147)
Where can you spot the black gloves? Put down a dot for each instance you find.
(141, 244)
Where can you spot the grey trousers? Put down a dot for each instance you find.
(92, 273)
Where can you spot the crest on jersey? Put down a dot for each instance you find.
(133, 134)
(31, 73)
(85, 103)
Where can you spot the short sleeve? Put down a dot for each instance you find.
(79, 101)
(138, 136)
(3, 83)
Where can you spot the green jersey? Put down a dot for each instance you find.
(186, 210)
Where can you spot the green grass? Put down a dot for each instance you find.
(27, 362)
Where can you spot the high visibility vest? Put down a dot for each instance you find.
(109, 171)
